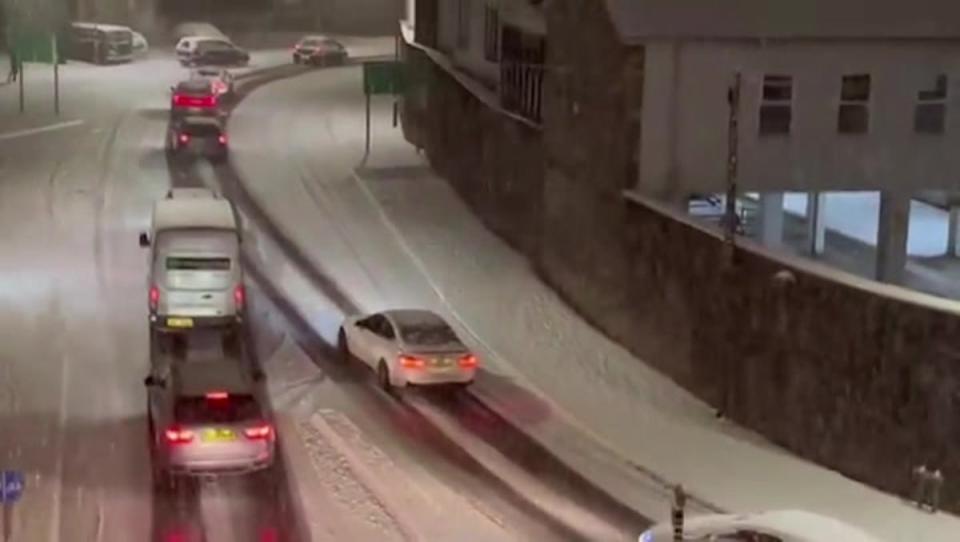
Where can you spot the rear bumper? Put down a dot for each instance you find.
(220, 467)
(421, 377)
(161, 323)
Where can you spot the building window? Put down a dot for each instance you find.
(929, 116)
(463, 24)
(522, 56)
(491, 34)
(776, 110)
(854, 114)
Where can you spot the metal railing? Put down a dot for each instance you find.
(521, 88)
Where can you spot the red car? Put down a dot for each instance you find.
(196, 97)
(319, 51)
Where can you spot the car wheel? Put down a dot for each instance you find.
(383, 378)
(296, 59)
(342, 346)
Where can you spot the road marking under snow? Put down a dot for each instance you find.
(40, 129)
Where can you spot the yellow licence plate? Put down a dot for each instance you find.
(219, 435)
(180, 322)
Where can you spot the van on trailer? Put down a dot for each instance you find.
(195, 277)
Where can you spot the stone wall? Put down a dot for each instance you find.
(858, 381)
(493, 161)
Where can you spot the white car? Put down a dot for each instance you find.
(776, 526)
(140, 45)
(221, 80)
(408, 347)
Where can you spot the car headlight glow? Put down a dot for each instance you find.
(646, 537)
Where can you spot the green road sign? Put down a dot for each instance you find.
(382, 77)
(36, 47)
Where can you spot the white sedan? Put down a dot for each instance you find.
(408, 347)
(777, 526)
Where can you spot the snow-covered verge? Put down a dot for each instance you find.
(399, 236)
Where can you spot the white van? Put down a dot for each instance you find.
(195, 273)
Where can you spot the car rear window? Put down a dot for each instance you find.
(231, 409)
(175, 263)
(214, 46)
(428, 334)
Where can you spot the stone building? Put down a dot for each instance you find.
(631, 117)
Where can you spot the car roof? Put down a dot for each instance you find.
(415, 317)
(193, 213)
(799, 525)
(318, 37)
(196, 379)
(98, 26)
(200, 121)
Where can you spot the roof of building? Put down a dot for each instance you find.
(193, 213)
(640, 20)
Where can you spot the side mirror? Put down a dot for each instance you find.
(152, 381)
(144, 240)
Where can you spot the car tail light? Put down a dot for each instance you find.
(412, 362)
(182, 100)
(184, 138)
(217, 395)
(177, 435)
(259, 432)
(239, 296)
(469, 361)
(154, 297)
(222, 139)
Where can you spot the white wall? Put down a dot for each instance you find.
(685, 117)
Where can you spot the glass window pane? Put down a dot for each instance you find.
(853, 119)
(775, 119)
(930, 118)
(856, 88)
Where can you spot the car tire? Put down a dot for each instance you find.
(383, 378)
(343, 347)
(296, 59)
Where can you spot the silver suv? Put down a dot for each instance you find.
(205, 418)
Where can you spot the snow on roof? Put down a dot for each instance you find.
(639, 20)
(98, 26)
(193, 213)
(798, 525)
(415, 317)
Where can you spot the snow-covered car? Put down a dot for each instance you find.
(319, 51)
(140, 45)
(775, 526)
(221, 80)
(197, 29)
(408, 347)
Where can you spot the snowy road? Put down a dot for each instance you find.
(74, 193)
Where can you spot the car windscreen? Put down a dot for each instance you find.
(310, 43)
(427, 334)
(204, 410)
(179, 263)
(119, 36)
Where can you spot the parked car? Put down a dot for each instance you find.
(99, 43)
(197, 29)
(211, 52)
(408, 347)
(776, 526)
(140, 44)
(221, 80)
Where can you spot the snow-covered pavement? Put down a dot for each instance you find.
(398, 236)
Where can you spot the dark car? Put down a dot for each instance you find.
(195, 97)
(319, 51)
(199, 136)
(216, 53)
(207, 419)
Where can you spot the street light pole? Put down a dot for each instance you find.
(733, 140)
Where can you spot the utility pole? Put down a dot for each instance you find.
(733, 141)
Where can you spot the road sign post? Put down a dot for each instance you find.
(12, 484)
(381, 77)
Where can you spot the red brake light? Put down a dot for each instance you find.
(184, 138)
(176, 435)
(217, 395)
(469, 361)
(154, 297)
(239, 296)
(223, 139)
(259, 432)
(412, 362)
(181, 100)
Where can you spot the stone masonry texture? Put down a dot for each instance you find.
(858, 382)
